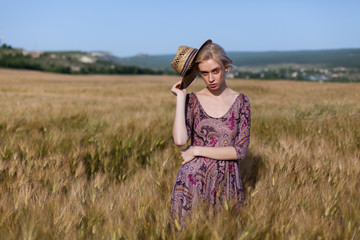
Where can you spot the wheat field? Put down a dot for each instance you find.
(92, 157)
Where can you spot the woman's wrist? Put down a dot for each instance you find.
(181, 96)
(197, 151)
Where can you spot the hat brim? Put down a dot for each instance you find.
(191, 74)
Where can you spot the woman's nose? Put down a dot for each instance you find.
(211, 77)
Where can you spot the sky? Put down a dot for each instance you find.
(128, 28)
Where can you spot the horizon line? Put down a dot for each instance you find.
(162, 54)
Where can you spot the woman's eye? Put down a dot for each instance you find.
(216, 71)
(204, 73)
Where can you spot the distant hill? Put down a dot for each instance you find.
(315, 65)
(349, 58)
(159, 62)
(71, 62)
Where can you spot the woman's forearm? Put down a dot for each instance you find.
(219, 153)
(179, 131)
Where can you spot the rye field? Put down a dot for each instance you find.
(92, 157)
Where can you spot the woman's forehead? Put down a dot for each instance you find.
(208, 65)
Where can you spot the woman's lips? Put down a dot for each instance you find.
(212, 85)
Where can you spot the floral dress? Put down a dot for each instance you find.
(207, 179)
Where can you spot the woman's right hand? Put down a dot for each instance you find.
(176, 89)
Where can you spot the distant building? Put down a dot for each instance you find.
(339, 69)
(101, 54)
(230, 75)
(316, 78)
(36, 54)
(86, 59)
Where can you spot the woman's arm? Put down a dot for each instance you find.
(218, 153)
(242, 139)
(179, 130)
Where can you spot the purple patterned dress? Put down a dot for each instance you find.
(208, 179)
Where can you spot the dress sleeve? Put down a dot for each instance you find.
(189, 114)
(242, 138)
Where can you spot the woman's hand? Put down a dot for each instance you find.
(188, 155)
(176, 89)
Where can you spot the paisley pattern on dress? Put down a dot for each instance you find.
(210, 180)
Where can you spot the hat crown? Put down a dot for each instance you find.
(183, 62)
(183, 59)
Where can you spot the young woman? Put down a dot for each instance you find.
(217, 121)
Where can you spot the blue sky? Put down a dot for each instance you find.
(127, 28)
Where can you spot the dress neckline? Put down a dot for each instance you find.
(222, 115)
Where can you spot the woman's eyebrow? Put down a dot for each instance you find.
(217, 68)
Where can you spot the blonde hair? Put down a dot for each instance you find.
(216, 52)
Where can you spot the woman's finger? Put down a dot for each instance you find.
(177, 85)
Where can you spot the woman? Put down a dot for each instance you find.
(217, 121)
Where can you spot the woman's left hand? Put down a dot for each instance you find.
(188, 155)
(176, 89)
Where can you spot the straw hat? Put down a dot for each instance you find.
(183, 62)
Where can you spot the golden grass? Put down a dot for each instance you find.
(91, 157)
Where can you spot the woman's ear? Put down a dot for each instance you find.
(226, 69)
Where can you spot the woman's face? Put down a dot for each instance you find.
(213, 74)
